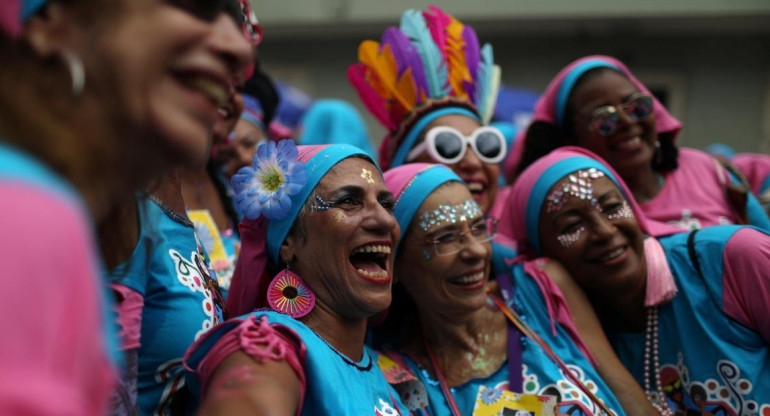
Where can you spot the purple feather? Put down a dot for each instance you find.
(406, 56)
(472, 51)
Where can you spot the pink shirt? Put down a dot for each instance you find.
(694, 194)
(53, 357)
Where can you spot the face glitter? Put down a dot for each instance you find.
(450, 214)
(426, 253)
(568, 239)
(622, 213)
(578, 185)
(338, 217)
(367, 175)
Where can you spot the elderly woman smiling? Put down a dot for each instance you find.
(686, 313)
(329, 221)
(461, 348)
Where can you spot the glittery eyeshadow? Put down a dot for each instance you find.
(450, 214)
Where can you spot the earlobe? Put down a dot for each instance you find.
(288, 250)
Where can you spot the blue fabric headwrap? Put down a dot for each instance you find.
(569, 83)
(30, 7)
(408, 143)
(419, 189)
(546, 181)
(317, 164)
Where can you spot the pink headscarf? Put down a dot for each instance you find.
(10, 17)
(545, 108)
(521, 220)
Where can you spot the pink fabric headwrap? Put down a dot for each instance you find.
(545, 109)
(10, 17)
(513, 221)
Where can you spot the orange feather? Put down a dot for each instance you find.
(382, 72)
(458, 69)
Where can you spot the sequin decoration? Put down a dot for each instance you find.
(426, 253)
(450, 214)
(321, 204)
(623, 212)
(579, 185)
(289, 295)
(568, 239)
(367, 175)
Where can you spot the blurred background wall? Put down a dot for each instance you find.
(708, 60)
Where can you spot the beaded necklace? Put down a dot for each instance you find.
(657, 398)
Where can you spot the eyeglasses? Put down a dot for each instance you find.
(604, 120)
(208, 10)
(447, 145)
(450, 242)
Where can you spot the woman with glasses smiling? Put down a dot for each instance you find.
(462, 355)
(596, 103)
(432, 86)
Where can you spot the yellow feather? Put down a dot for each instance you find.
(458, 69)
(383, 72)
(407, 89)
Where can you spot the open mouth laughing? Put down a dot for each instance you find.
(370, 261)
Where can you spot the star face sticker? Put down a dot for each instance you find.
(367, 175)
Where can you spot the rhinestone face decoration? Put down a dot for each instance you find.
(450, 214)
(578, 185)
(568, 239)
(321, 204)
(622, 213)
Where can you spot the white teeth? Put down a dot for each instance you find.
(475, 186)
(635, 140)
(373, 249)
(613, 254)
(468, 279)
(379, 274)
(210, 88)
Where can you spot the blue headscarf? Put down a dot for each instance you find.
(335, 122)
(411, 184)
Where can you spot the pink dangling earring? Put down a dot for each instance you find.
(289, 295)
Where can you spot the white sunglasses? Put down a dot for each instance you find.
(447, 145)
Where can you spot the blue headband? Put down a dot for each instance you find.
(316, 169)
(406, 145)
(418, 190)
(30, 7)
(546, 181)
(569, 83)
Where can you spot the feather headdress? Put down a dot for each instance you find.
(431, 58)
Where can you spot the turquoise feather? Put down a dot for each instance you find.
(486, 91)
(436, 72)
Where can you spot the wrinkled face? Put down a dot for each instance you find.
(444, 282)
(595, 235)
(481, 177)
(346, 256)
(167, 71)
(632, 146)
(239, 151)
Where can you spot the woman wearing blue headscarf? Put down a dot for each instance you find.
(323, 215)
(686, 312)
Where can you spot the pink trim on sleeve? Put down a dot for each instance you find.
(261, 341)
(129, 308)
(746, 280)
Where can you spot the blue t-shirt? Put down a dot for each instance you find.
(540, 375)
(169, 268)
(336, 384)
(708, 361)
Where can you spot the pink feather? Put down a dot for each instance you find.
(377, 105)
(437, 23)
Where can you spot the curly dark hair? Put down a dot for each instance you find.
(543, 137)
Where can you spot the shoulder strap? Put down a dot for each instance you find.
(692, 253)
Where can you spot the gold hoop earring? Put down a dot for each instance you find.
(75, 69)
